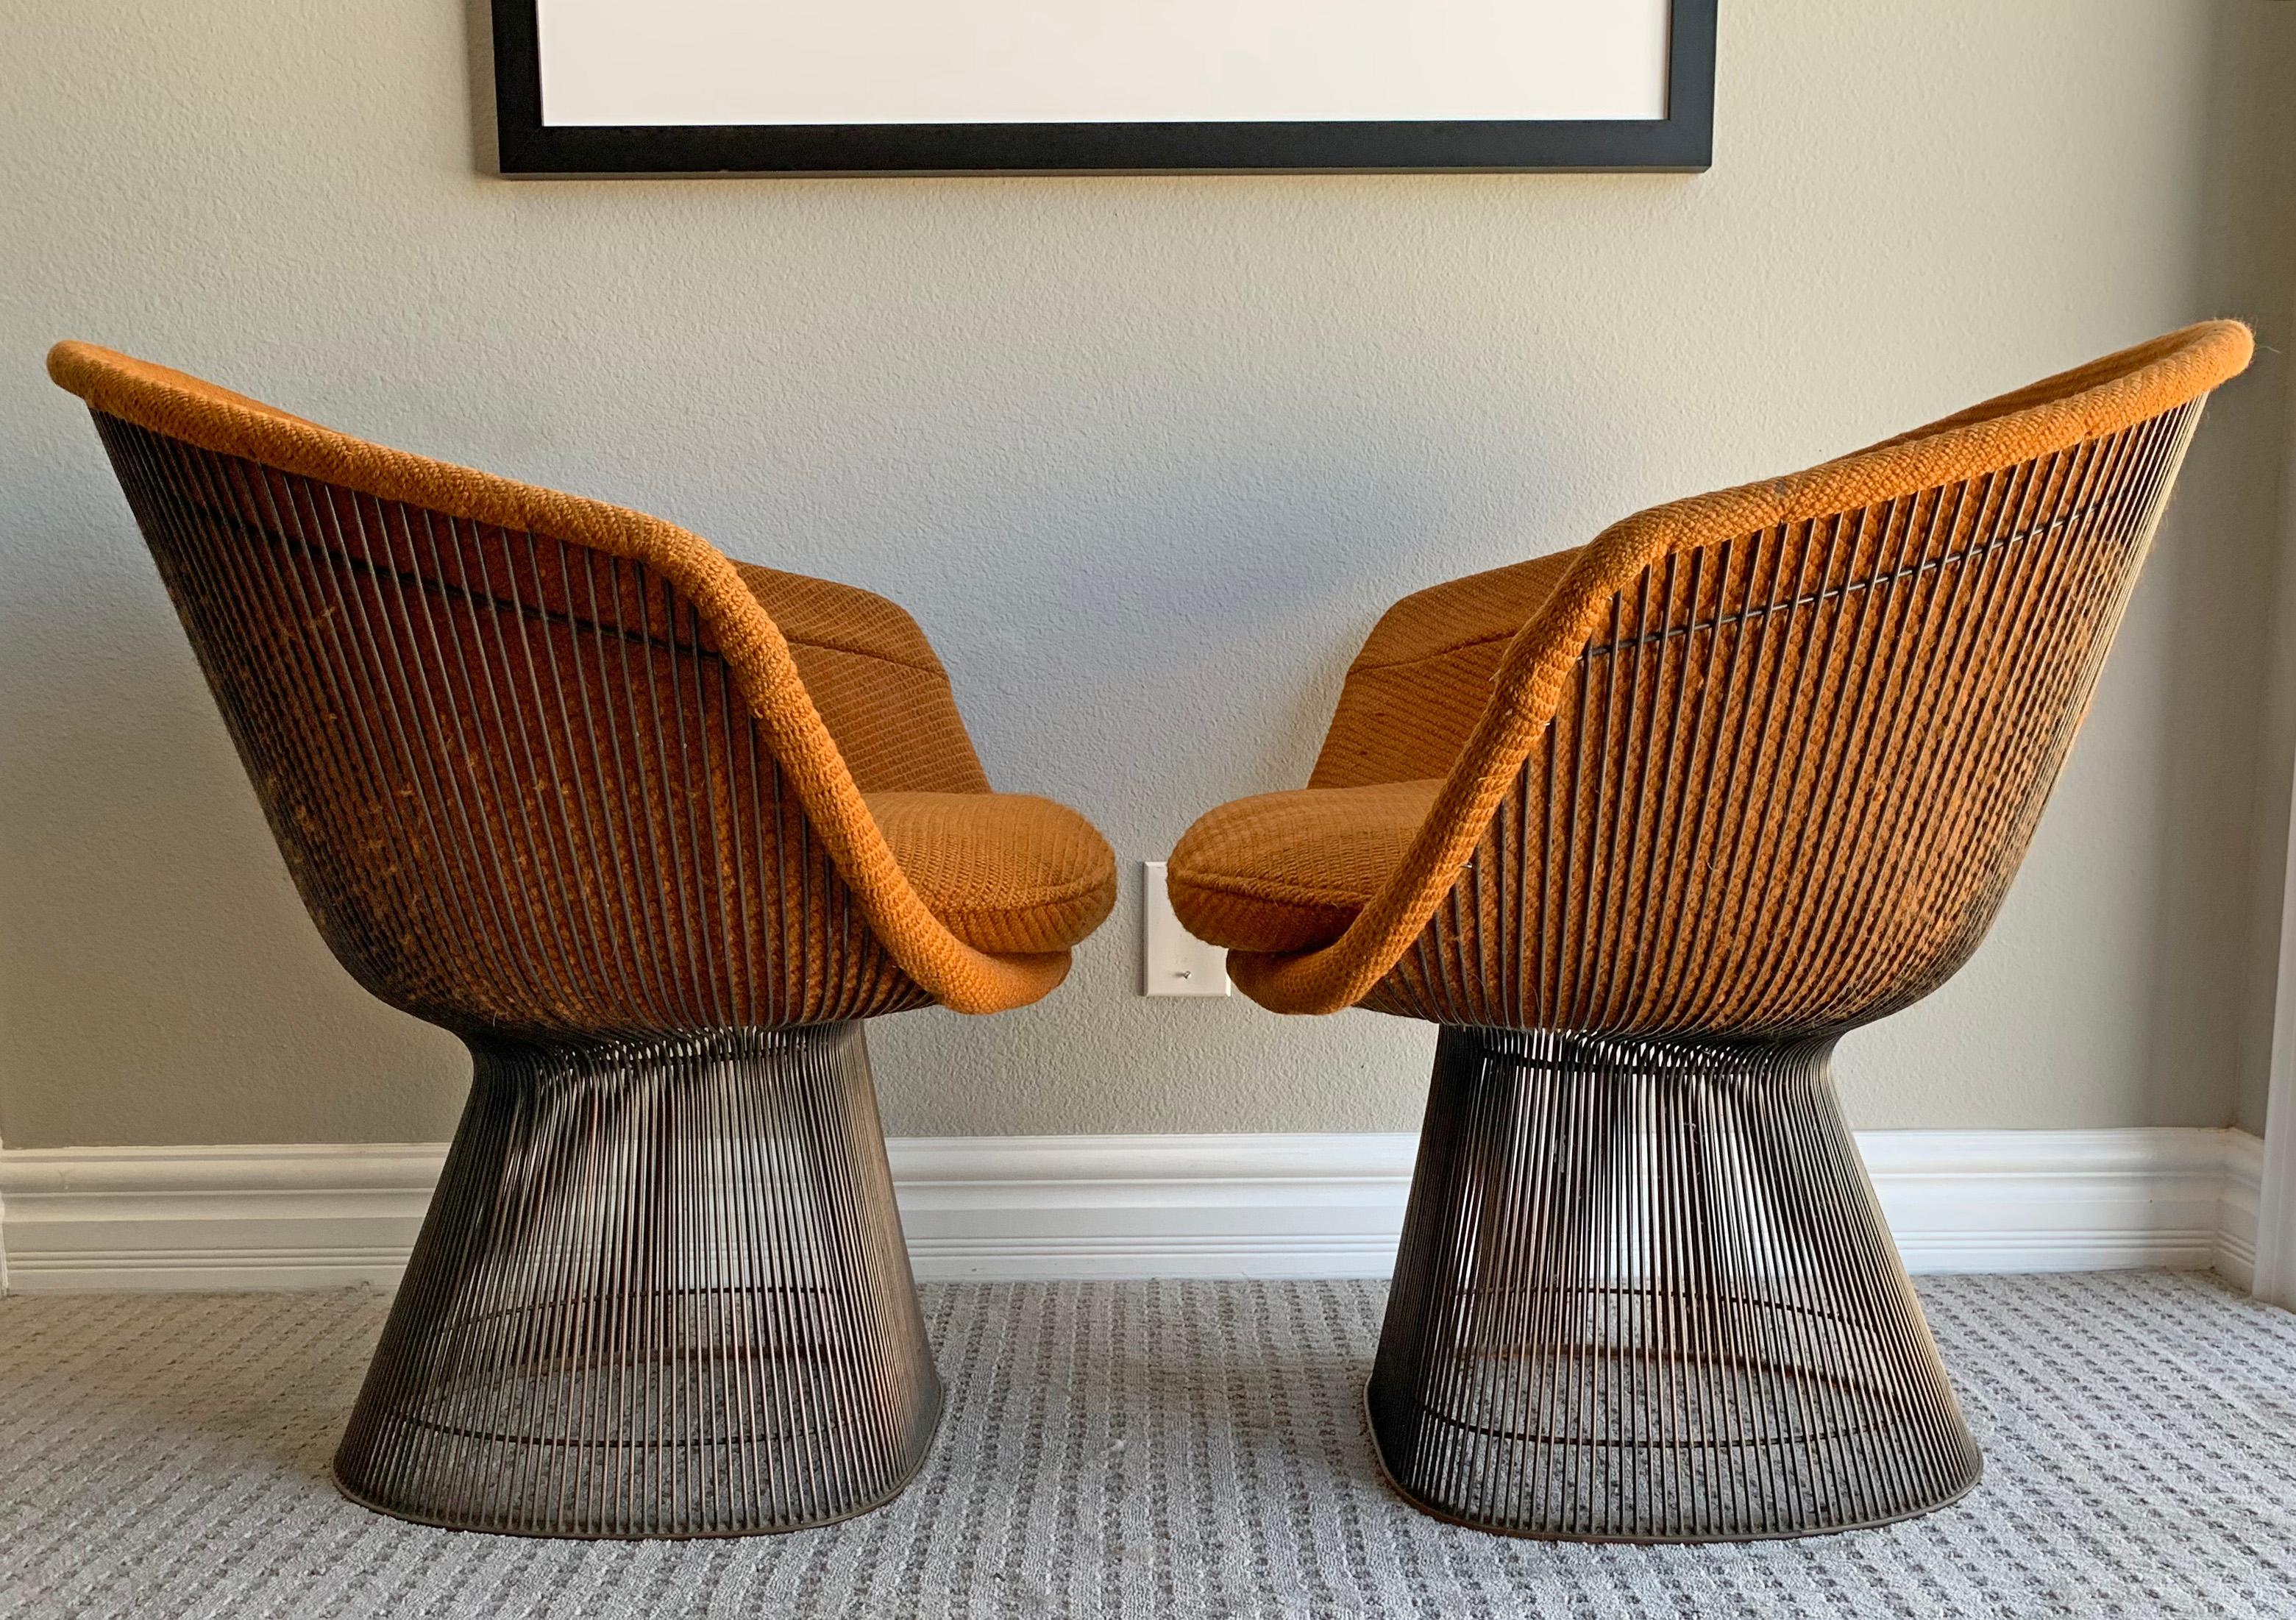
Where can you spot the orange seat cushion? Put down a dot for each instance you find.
(1002, 872)
(1283, 872)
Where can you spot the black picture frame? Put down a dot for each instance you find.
(1682, 142)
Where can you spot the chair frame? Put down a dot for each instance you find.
(547, 774)
(661, 1291)
(1757, 769)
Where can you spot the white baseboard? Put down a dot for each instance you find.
(291, 1216)
(321, 1215)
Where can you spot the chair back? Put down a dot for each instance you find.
(515, 782)
(1786, 780)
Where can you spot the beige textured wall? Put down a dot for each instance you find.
(1145, 457)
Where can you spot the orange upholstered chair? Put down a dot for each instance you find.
(652, 832)
(1645, 827)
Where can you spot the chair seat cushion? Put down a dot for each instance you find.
(1002, 872)
(1283, 872)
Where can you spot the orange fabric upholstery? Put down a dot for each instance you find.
(1762, 762)
(1283, 872)
(1423, 678)
(881, 690)
(1003, 872)
(543, 765)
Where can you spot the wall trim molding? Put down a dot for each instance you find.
(334, 1215)
(2274, 1257)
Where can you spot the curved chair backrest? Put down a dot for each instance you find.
(538, 766)
(1780, 749)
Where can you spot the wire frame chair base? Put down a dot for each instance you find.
(661, 1291)
(1644, 1294)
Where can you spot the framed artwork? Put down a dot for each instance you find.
(1106, 86)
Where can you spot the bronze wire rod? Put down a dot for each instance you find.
(1764, 1373)
(1896, 575)
(662, 1293)
(475, 596)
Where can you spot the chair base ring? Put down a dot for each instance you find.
(661, 1292)
(1644, 1294)
(1436, 1510)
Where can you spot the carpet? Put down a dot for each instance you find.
(1163, 1449)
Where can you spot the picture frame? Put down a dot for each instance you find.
(1680, 139)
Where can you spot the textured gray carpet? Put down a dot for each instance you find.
(1150, 1449)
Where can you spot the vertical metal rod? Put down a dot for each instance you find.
(1780, 1382)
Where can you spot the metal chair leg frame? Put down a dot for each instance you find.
(661, 1291)
(1644, 1293)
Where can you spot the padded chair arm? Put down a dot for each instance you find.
(2042, 419)
(760, 657)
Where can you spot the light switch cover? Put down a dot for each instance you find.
(1173, 961)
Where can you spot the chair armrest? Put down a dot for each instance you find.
(872, 675)
(1527, 663)
(1423, 679)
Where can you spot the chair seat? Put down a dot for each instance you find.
(1003, 872)
(1283, 872)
